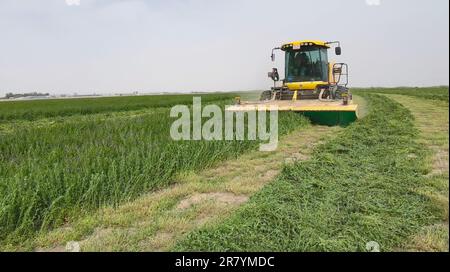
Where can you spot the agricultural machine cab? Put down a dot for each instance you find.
(308, 73)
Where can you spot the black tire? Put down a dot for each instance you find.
(341, 90)
(266, 95)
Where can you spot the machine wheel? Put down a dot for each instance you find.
(266, 95)
(340, 91)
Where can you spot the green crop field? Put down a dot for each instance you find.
(35, 109)
(64, 164)
(433, 93)
(57, 170)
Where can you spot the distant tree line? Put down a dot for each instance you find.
(13, 95)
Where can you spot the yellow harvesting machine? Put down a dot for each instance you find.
(312, 85)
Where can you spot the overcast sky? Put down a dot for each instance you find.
(104, 46)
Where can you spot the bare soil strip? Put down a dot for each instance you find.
(156, 220)
(432, 120)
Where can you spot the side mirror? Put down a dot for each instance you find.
(338, 50)
(272, 57)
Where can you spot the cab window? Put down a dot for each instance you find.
(310, 63)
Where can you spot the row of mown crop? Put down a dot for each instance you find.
(362, 186)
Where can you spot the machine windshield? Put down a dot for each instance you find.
(309, 63)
